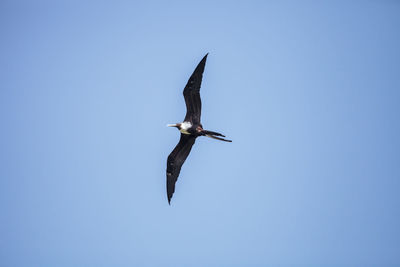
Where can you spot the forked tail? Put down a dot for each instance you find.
(214, 135)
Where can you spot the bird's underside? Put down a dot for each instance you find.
(190, 129)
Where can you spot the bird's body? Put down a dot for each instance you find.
(185, 127)
(190, 128)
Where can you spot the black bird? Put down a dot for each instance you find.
(190, 128)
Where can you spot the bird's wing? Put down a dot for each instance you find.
(176, 160)
(192, 93)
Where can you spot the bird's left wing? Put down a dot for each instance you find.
(176, 160)
(192, 93)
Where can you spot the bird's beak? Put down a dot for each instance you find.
(172, 125)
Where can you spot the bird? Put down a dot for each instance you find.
(190, 128)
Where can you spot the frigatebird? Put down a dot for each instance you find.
(190, 128)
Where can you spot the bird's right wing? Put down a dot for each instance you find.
(176, 160)
(192, 93)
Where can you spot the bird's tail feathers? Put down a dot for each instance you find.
(212, 133)
(218, 138)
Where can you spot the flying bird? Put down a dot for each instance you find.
(190, 128)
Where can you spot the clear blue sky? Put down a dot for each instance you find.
(309, 92)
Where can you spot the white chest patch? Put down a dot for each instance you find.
(184, 126)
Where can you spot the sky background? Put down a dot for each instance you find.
(308, 92)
